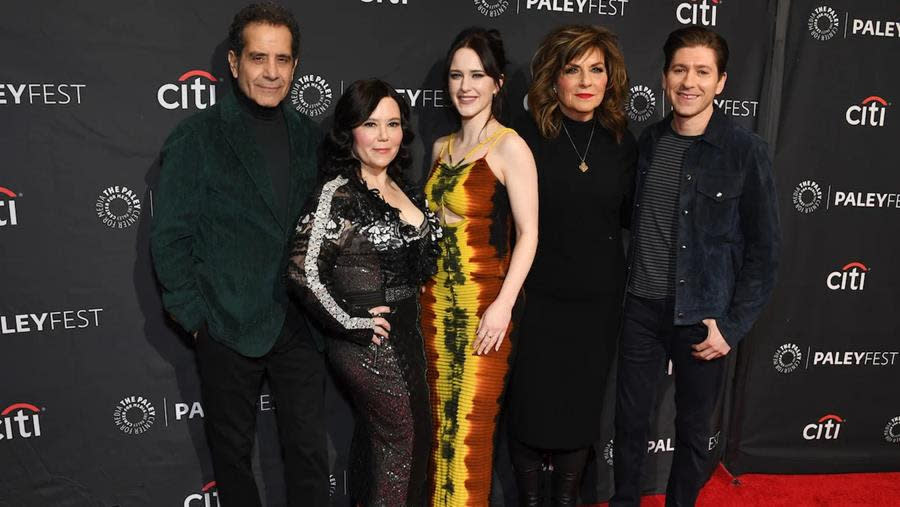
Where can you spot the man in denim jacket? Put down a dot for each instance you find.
(704, 253)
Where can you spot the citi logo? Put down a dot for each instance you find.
(869, 113)
(207, 497)
(828, 427)
(198, 93)
(851, 277)
(697, 13)
(8, 214)
(20, 420)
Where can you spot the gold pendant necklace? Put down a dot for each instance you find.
(583, 165)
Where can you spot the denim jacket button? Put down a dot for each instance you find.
(680, 315)
(718, 195)
(688, 177)
(685, 212)
(681, 282)
(684, 247)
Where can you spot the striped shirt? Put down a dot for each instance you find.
(653, 269)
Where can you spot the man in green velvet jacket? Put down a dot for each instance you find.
(233, 183)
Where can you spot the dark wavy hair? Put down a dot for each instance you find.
(268, 13)
(336, 156)
(693, 36)
(561, 46)
(488, 45)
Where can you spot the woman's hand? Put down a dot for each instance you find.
(492, 327)
(381, 326)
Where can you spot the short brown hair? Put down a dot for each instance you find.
(268, 13)
(693, 36)
(560, 47)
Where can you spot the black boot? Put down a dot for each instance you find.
(527, 464)
(566, 478)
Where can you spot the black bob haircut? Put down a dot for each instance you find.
(268, 13)
(336, 157)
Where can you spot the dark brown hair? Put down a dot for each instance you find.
(693, 36)
(268, 13)
(560, 47)
(488, 45)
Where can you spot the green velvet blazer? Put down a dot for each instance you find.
(219, 246)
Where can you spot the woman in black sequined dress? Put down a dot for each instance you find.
(360, 253)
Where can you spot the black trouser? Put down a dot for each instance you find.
(230, 384)
(648, 338)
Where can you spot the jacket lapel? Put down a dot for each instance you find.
(242, 142)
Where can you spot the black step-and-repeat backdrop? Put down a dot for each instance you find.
(99, 398)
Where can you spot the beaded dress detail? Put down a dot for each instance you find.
(352, 252)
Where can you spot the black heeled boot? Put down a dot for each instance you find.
(566, 477)
(528, 465)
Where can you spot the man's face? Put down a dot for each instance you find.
(265, 67)
(692, 81)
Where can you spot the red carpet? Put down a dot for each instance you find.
(839, 490)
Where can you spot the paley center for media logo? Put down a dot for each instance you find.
(46, 94)
(599, 7)
(8, 214)
(20, 420)
(892, 431)
(491, 8)
(828, 427)
(698, 12)
(870, 112)
(135, 414)
(199, 92)
(824, 23)
(50, 321)
(789, 357)
(118, 207)
(641, 103)
(808, 197)
(311, 95)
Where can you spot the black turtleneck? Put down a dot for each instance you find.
(267, 125)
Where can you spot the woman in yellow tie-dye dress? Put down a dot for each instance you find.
(482, 185)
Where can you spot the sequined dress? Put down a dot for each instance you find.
(466, 389)
(352, 252)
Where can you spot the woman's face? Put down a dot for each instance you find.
(471, 89)
(581, 84)
(377, 141)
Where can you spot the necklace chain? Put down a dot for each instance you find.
(583, 165)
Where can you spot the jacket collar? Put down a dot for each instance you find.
(714, 134)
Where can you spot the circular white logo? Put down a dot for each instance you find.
(608, 452)
(892, 431)
(807, 196)
(118, 207)
(641, 103)
(311, 95)
(787, 358)
(332, 484)
(134, 415)
(491, 8)
(823, 23)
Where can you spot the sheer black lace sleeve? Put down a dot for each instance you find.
(319, 238)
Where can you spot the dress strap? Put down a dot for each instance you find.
(490, 141)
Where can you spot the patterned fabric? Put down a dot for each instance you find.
(465, 389)
(352, 252)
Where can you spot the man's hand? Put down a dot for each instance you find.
(714, 346)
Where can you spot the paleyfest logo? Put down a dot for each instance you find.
(194, 89)
(118, 207)
(8, 214)
(311, 95)
(641, 103)
(808, 197)
(824, 23)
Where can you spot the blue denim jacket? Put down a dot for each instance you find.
(728, 228)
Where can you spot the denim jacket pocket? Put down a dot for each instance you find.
(716, 207)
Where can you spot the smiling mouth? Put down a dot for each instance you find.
(466, 99)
